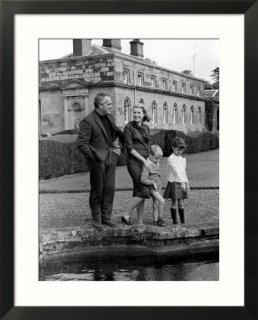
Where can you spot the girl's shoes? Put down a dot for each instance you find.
(125, 221)
(173, 215)
(181, 212)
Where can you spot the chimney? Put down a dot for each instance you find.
(112, 44)
(136, 48)
(81, 47)
(187, 72)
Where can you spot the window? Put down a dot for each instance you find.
(192, 115)
(184, 114)
(127, 110)
(76, 107)
(174, 86)
(154, 112)
(141, 102)
(183, 88)
(199, 115)
(175, 113)
(191, 90)
(199, 92)
(165, 113)
(140, 79)
(164, 84)
(153, 81)
(126, 76)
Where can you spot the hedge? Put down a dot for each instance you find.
(57, 159)
(60, 158)
(204, 142)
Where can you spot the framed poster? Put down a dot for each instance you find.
(12, 14)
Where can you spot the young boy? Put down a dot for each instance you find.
(151, 177)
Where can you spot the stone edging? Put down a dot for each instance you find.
(128, 241)
(117, 189)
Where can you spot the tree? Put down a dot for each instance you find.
(215, 77)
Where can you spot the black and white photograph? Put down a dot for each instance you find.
(128, 159)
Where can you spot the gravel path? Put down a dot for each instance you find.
(64, 210)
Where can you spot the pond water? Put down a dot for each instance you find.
(133, 269)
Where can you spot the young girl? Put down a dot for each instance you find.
(178, 186)
(151, 177)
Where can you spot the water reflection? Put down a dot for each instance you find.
(130, 270)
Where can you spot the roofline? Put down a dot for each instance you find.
(125, 57)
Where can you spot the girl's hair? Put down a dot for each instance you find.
(146, 117)
(177, 142)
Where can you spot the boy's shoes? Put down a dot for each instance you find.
(126, 221)
(160, 222)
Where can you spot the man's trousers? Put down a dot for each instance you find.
(102, 182)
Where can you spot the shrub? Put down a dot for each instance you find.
(57, 159)
(204, 142)
(159, 139)
(69, 131)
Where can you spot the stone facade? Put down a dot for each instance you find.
(68, 86)
(212, 109)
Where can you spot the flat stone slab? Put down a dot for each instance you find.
(128, 241)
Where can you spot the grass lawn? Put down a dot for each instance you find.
(202, 168)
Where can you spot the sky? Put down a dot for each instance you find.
(200, 56)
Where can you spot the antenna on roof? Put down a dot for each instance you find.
(193, 56)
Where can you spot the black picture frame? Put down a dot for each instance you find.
(7, 178)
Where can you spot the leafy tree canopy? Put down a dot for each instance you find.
(215, 77)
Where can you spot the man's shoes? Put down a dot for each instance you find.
(108, 223)
(160, 222)
(97, 225)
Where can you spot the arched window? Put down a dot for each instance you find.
(184, 114)
(192, 115)
(127, 110)
(199, 115)
(165, 113)
(175, 113)
(76, 107)
(141, 102)
(154, 112)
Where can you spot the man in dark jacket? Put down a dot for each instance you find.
(100, 141)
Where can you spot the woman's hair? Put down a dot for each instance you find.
(146, 117)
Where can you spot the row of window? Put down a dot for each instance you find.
(175, 114)
(140, 82)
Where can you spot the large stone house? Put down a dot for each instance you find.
(67, 87)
